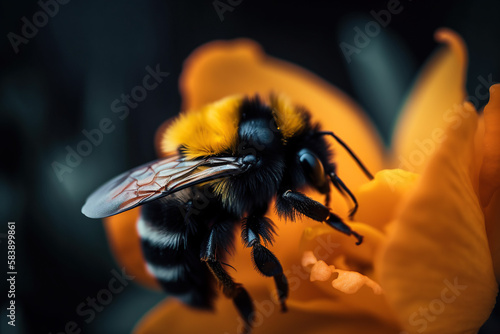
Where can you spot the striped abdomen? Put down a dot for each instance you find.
(171, 248)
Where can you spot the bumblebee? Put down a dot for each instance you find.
(222, 166)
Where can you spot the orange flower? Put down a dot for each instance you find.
(431, 249)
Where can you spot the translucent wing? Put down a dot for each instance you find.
(154, 180)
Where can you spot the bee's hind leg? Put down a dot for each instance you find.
(241, 299)
(257, 228)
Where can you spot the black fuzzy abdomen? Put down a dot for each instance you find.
(171, 248)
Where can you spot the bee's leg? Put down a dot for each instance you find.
(255, 229)
(327, 199)
(231, 289)
(342, 188)
(292, 200)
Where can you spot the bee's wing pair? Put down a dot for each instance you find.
(154, 180)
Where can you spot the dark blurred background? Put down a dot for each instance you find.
(64, 77)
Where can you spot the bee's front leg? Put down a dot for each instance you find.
(342, 188)
(256, 229)
(293, 200)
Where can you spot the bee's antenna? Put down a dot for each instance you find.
(344, 145)
(227, 264)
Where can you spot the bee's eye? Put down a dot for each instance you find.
(313, 168)
(250, 159)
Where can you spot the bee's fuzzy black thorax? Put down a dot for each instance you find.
(258, 138)
(277, 167)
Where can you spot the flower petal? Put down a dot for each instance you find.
(492, 216)
(126, 247)
(489, 177)
(428, 110)
(220, 69)
(317, 317)
(379, 199)
(436, 267)
(331, 247)
(327, 244)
